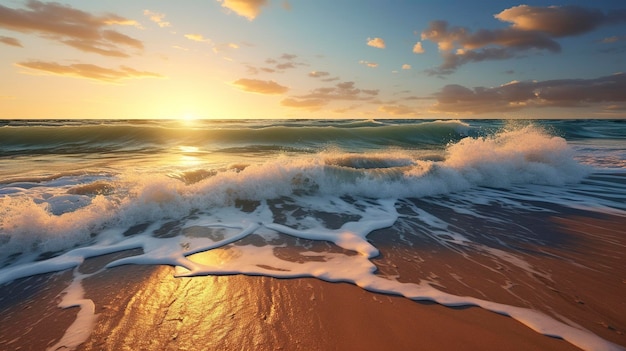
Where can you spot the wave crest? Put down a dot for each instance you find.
(60, 213)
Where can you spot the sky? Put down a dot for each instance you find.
(362, 59)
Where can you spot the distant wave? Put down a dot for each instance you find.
(49, 138)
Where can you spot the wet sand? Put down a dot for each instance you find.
(147, 308)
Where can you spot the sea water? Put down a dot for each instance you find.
(219, 197)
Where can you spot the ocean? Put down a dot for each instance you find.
(457, 212)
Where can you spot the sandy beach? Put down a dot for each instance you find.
(144, 311)
(147, 308)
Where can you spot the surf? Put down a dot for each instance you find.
(235, 215)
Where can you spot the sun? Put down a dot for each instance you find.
(188, 117)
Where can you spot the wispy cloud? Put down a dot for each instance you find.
(157, 18)
(344, 91)
(318, 74)
(323, 76)
(406, 66)
(217, 48)
(198, 38)
(88, 71)
(306, 104)
(613, 39)
(531, 28)
(376, 43)
(78, 29)
(249, 9)
(615, 108)
(260, 86)
(517, 95)
(10, 41)
(369, 64)
(278, 64)
(341, 91)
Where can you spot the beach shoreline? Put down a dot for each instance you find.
(147, 307)
(237, 312)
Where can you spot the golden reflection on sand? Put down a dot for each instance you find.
(260, 313)
(210, 313)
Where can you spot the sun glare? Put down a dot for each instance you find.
(188, 149)
(188, 120)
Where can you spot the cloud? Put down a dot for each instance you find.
(615, 108)
(249, 9)
(307, 104)
(613, 39)
(89, 71)
(417, 48)
(558, 21)
(217, 48)
(76, 28)
(279, 64)
(260, 86)
(10, 41)
(531, 28)
(198, 38)
(285, 65)
(459, 45)
(318, 74)
(324, 76)
(256, 70)
(372, 92)
(157, 18)
(317, 98)
(376, 42)
(369, 64)
(517, 95)
(344, 91)
(452, 61)
(406, 66)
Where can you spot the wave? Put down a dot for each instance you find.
(60, 212)
(110, 136)
(587, 129)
